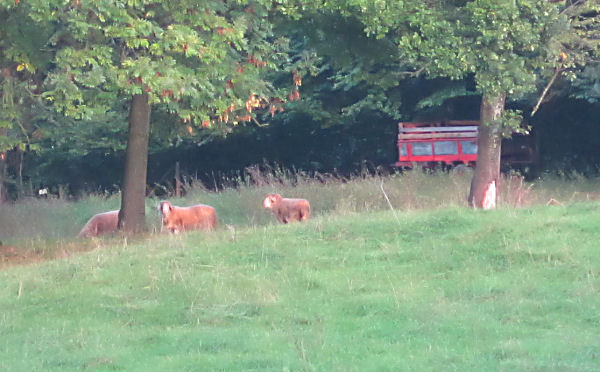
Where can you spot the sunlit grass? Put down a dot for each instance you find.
(35, 229)
(33, 221)
(422, 290)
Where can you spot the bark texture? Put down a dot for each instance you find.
(132, 217)
(487, 169)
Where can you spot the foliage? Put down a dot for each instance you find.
(440, 96)
(345, 73)
(582, 44)
(587, 84)
(23, 44)
(202, 62)
(569, 135)
(23, 60)
(232, 55)
(503, 44)
(353, 75)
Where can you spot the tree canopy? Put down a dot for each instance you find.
(507, 46)
(201, 60)
(204, 67)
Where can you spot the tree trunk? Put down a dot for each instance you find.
(487, 169)
(3, 192)
(20, 191)
(132, 217)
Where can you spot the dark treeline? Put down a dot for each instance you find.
(567, 130)
(299, 143)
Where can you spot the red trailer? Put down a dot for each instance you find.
(454, 142)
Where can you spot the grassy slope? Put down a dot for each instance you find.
(452, 289)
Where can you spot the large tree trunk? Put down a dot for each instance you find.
(132, 217)
(487, 169)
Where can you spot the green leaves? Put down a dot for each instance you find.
(202, 61)
(441, 95)
(512, 42)
(505, 43)
(512, 122)
(587, 85)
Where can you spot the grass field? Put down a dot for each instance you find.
(432, 287)
(44, 224)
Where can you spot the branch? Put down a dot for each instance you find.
(545, 92)
(413, 73)
(576, 3)
(259, 124)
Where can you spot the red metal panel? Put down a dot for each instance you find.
(410, 159)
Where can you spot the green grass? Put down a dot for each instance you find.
(424, 290)
(44, 225)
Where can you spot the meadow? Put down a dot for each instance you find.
(391, 274)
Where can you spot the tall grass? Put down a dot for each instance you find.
(240, 205)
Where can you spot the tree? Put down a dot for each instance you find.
(348, 73)
(508, 47)
(23, 63)
(201, 61)
(583, 50)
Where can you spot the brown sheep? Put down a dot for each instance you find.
(100, 224)
(195, 217)
(287, 210)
